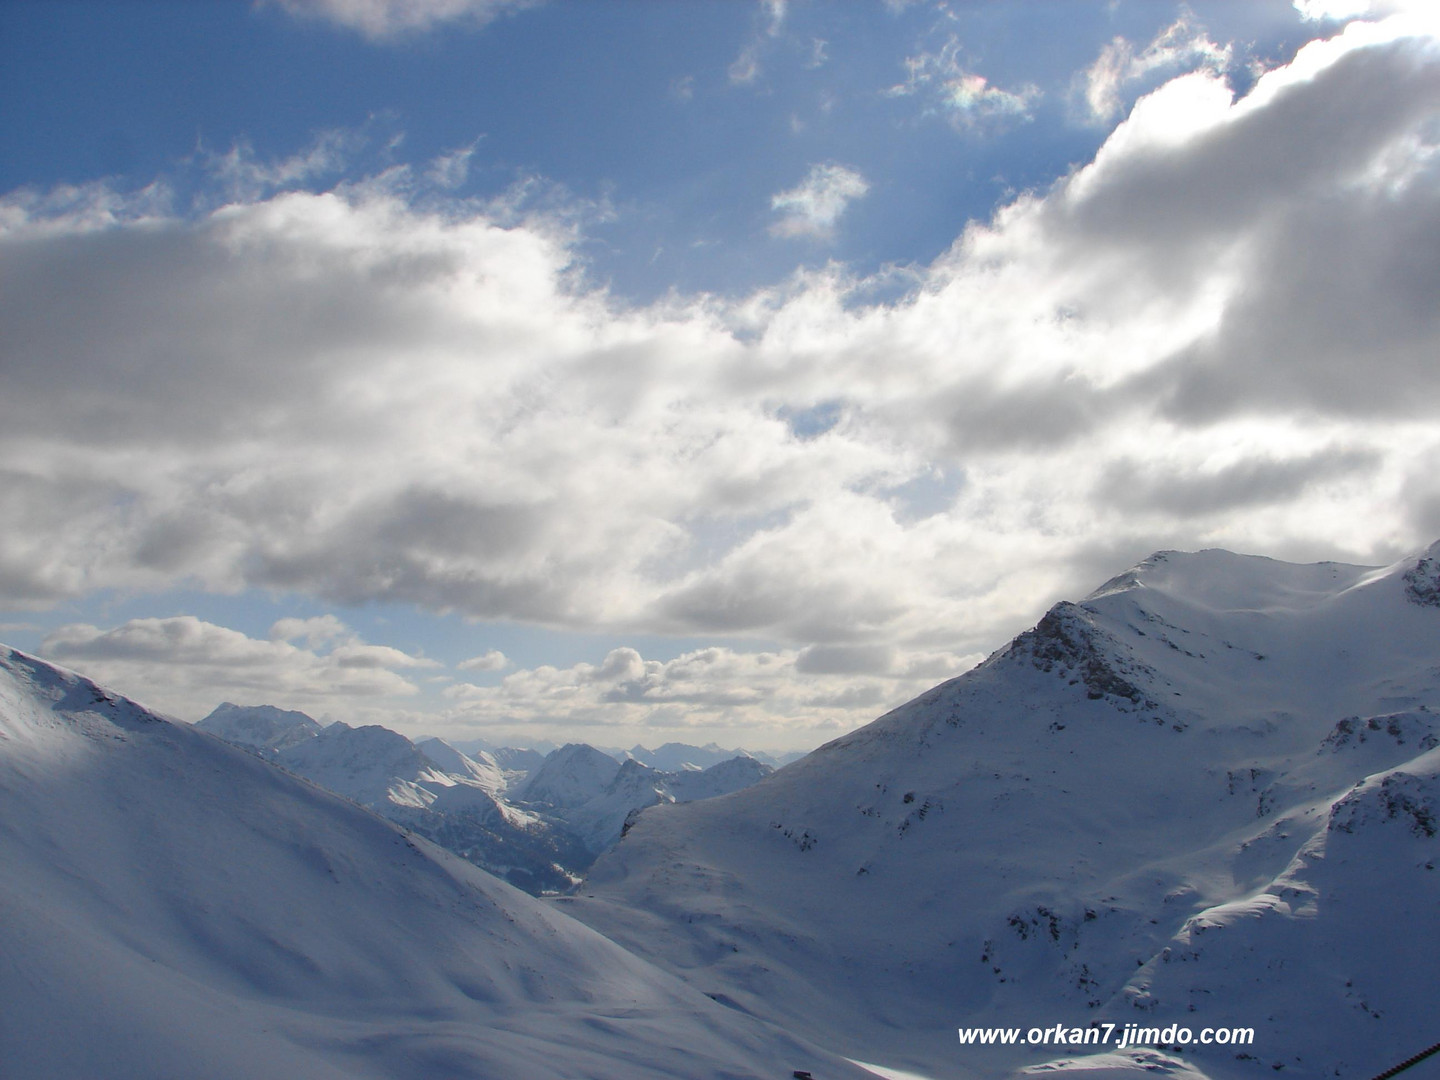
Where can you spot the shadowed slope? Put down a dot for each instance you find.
(173, 906)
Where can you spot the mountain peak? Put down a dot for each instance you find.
(570, 776)
(259, 727)
(1050, 832)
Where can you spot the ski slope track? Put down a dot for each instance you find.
(1207, 794)
(174, 907)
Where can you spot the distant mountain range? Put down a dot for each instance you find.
(176, 907)
(598, 797)
(671, 757)
(1204, 798)
(1206, 795)
(536, 821)
(674, 757)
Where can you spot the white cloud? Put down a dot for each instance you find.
(969, 100)
(841, 659)
(745, 68)
(377, 658)
(494, 660)
(320, 630)
(77, 208)
(382, 20)
(245, 178)
(770, 23)
(450, 170)
(1181, 47)
(704, 694)
(1219, 332)
(972, 95)
(186, 666)
(1424, 11)
(1331, 9)
(813, 207)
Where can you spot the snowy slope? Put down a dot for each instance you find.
(673, 757)
(434, 790)
(260, 727)
(1145, 808)
(175, 907)
(372, 765)
(584, 796)
(600, 819)
(719, 779)
(1353, 921)
(479, 768)
(517, 763)
(570, 776)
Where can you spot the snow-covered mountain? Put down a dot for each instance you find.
(518, 762)
(174, 906)
(533, 753)
(429, 787)
(573, 806)
(674, 757)
(479, 767)
(1207, 795)
(262, 728)
(569, 777)
(372, 765)
(597, 797)
(359, 763)
(722, 778)
(603, 818)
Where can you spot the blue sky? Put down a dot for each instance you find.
(643, 110)
(696, 370)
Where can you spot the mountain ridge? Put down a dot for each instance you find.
(177, 906)
(1027, 840)
(539, 837)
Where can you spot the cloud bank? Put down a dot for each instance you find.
(193, 664)
(700, 695)
(1221, 331)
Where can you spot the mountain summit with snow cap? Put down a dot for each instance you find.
(1206, 794)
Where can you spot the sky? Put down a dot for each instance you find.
(708, 370)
